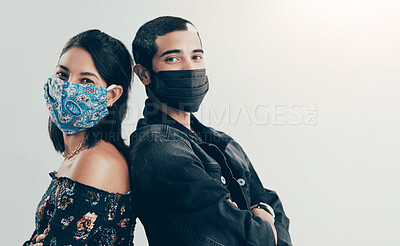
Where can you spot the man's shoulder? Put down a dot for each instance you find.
(217, 137)
(220, 134)
(227, 144)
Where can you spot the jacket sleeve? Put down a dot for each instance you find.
(259, 194)
(174, 195)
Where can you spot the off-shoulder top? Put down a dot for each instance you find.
(77, 214)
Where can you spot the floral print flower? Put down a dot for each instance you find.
(93, 198)
(85, 225)
(64, 202)
(123, 209)
(65, 222)
(113, 204)
(123, 223)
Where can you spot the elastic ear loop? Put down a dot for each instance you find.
(110, 88)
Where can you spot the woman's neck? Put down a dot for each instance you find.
(71, 142)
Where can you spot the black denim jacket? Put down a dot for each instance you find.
(181, 182)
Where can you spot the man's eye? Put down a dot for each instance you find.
(197, 58)
(62, 76)
(171, 59)
(87, 81)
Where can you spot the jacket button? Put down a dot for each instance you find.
(241, 182)
(223, 180)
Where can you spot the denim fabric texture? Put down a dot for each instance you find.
(181, 182)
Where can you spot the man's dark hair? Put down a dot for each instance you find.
(114, 64)
(144, 45)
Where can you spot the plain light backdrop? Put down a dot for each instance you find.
(310, 89)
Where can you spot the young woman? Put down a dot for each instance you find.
(88, 200)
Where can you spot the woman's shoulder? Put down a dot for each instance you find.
(103, 153)
(102, 167)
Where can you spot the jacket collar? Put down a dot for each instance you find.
(153, 115)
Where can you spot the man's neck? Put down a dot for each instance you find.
(180, 116)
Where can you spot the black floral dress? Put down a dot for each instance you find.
(78, 214)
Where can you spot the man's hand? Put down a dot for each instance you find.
(234, 203)
(264, 215)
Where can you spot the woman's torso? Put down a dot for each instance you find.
(74, 212)
(78, 214)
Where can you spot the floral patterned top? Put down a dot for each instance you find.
(77, 214)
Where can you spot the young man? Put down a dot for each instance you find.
(192, 184)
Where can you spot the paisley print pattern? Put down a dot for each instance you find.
(75, 107)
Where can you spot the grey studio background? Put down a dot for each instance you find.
(310, 89)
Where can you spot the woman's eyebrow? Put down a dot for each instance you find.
(89, 74)
(63, 67)
(83, 74)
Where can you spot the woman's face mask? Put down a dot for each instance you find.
(75, 107)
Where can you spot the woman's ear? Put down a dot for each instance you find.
(114, 94)
(142, 73)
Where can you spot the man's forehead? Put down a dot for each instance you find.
(178, 40)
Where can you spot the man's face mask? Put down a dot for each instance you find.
(181, 89)
(75, 107)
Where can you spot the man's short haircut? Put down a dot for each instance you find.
(144, 45)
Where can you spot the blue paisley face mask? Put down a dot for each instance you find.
(75, 107)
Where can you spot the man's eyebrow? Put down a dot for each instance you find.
(64, 67)
(198, 50)
(169, 52)
(89, 74)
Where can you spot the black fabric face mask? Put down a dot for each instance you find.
(181, 89)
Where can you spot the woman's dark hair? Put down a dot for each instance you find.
(114, 64)
(144, 45)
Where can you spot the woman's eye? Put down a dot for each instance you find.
(87, 81)
(62, 76)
